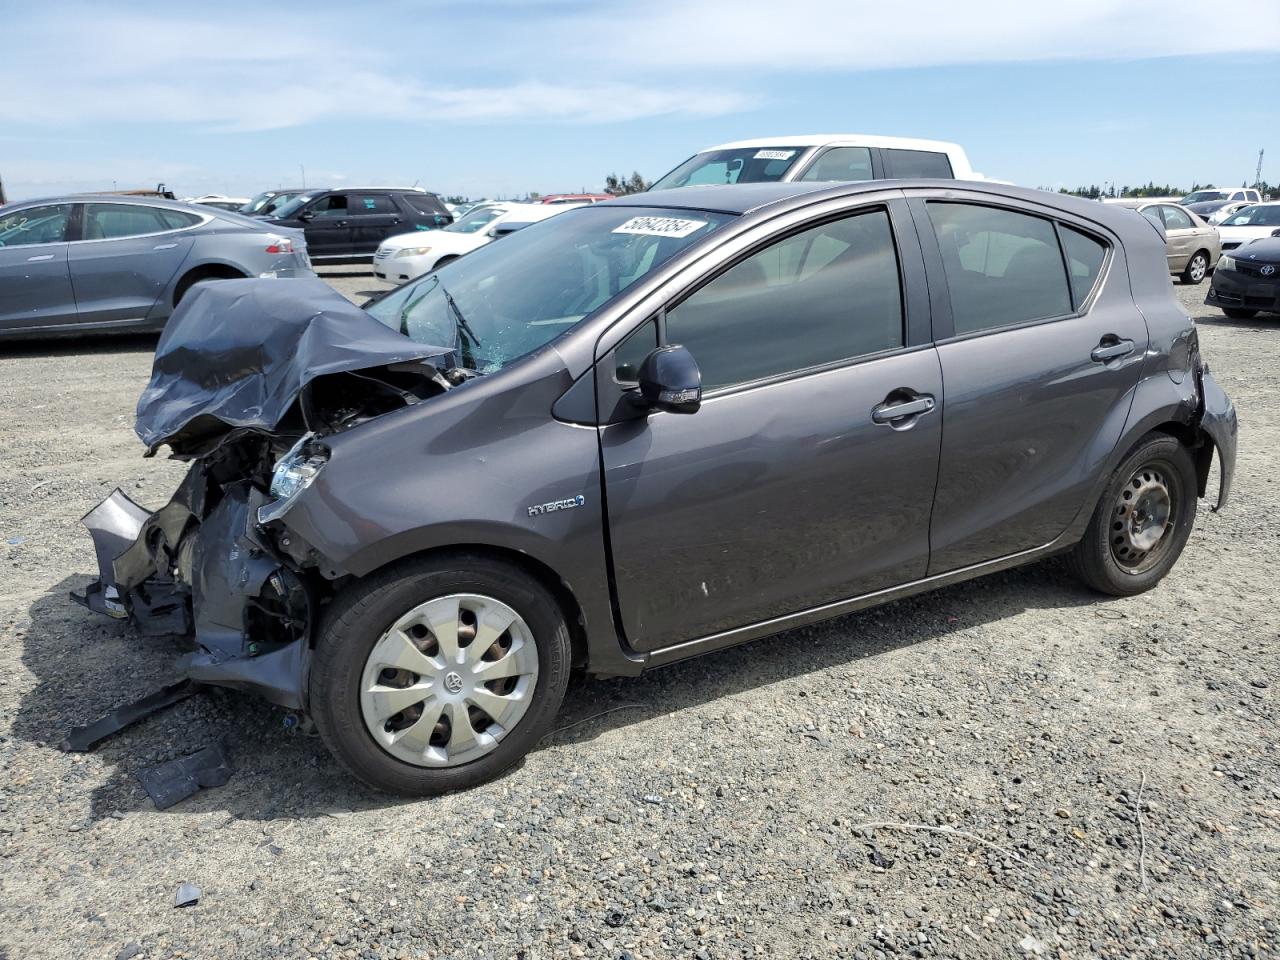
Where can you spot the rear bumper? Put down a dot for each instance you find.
(1231, 288)
(1218, 420)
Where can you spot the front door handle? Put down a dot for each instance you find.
(894, 411)
(1111, 347)
(46, 256)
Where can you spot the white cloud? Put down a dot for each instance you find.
(251, 68)
(767, 37)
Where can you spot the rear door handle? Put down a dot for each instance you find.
(1111, 347)
(892, 411)
(46, 256)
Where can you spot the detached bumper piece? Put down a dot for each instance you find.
(84, 739)
(198, 567)
(174, 781)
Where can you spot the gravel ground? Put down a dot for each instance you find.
(1097, 777)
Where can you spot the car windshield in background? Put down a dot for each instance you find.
(474, 222)
(508, 299)
(286, 210)
(743, 165)
(1257, 216)
(267, 203)
(1201, 196)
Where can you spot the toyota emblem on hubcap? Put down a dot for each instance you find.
(452, 682)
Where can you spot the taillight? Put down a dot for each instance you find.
(280, 245)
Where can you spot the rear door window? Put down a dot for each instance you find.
(371, 204)
(47, 224)
(114, 221)
(902, 164)
(841, 163)
(1175, 219)
(1002, 267)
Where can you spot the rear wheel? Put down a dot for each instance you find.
(438, 675)
(1239, 313)
(1143, 520)
(1197, 268)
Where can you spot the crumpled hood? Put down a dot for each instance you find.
(237, 354)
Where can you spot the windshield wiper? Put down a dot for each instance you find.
(462, 321)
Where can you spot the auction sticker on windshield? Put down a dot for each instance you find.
(774, 154)
(660, 226)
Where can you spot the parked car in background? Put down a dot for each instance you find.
(575, 198)
(348, 223)
(410, 255)
(1247, 281)
(1226, 210)
(220, 202)
(650, 429)
(268, 201)
(116, 263)
(1193, 245)
(823, 157)
(1254, 222)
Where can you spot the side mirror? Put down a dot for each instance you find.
(670, 380)
(306, 215)
(1275, 233)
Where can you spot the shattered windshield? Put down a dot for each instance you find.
(507, 299)
(740, 165)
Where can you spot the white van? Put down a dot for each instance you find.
(819, 157)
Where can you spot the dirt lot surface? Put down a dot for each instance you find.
(1097, 777)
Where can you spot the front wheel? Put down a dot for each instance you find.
(1197, 268)
(1143, 520)
(438, 675)
(1239, 313)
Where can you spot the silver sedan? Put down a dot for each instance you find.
(1192, 245)
(110, 263)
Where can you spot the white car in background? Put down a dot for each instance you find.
(1254, 222)
(409, 255)
(821, 157)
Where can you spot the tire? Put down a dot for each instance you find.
(1197, 269)
(347, 681)
(1239, 313)
(1106, 558)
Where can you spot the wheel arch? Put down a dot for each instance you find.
(539, 570)
(205, 270)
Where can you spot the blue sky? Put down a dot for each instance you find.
(497, 97)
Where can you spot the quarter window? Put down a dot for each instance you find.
(1085, 257)
(841, 163)
(114, 221)
(47, 224)
(1002, 267)
(178, 219)
(826, 294)
(901, 164)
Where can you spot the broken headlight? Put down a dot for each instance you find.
(293, 473)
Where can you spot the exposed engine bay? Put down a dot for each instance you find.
(249, 378)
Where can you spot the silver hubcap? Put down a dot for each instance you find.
(1142, 519)
(449, 680)
(1198, 267)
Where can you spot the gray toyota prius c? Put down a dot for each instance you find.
(646, 430)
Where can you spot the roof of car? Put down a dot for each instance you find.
(744, 198)
(818, 139)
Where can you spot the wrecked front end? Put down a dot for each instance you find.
(248, 381)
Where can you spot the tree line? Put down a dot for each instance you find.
(1152, 189)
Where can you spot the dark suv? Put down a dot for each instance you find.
(350, 222)
(649, 429)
